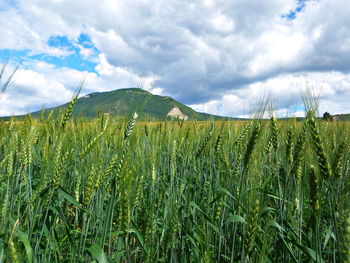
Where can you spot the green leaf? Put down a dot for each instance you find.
(2, 251)
(278, 198)
(117, 233)
(267, 209)
(308, 251)
(139, 237)
(311, 253)
(273, 223)
(224, 191)
(97, 253)
(72, 200)
(194, 205)
(60, 214)
(24, 238)
(288, 247)
(327, 234)
(236, 219)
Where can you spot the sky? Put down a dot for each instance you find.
(221, 57)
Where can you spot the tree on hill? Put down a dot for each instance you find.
(327, 116)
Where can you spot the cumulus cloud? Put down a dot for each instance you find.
(284, 93)
(215, 55)
(32, 91)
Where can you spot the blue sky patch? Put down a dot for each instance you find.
(4, 5)
(85, 41)
(13, 55)
(74, 60)
(293, 13)
(60, 42)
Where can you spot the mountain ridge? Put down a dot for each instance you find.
(122, 102)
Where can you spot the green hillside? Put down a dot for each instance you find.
(341, 117)
(120, 103)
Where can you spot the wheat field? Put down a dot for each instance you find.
(123, 191)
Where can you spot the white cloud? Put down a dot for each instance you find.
(113, 77)
(32, 91)
(211, 54)
(17, 33)
(44, 85)
(284, 93)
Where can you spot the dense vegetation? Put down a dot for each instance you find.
(114, 191)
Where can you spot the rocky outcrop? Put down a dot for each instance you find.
(176, 113)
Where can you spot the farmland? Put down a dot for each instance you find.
(122, 191)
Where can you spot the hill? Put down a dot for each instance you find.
(121, 102)
(341, 117)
